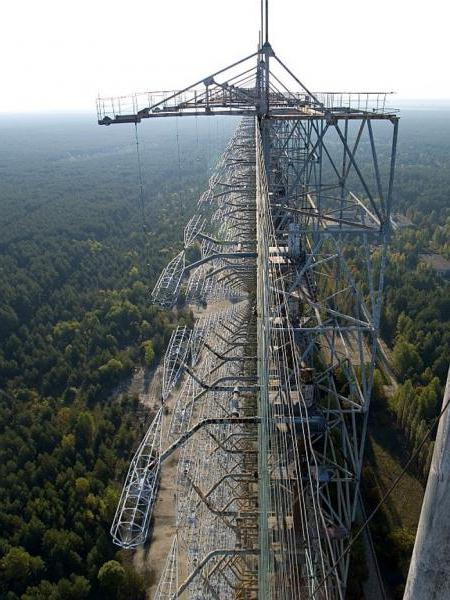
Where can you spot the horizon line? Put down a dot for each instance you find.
(68, 110)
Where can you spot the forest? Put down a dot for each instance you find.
(79, 252)
(415, 326)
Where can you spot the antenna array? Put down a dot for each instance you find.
(268, 395)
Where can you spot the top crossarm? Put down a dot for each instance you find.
(235, 91)
(245, 88)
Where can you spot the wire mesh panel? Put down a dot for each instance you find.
(175, 359)
(133, 514)
(168, 583)
(167, 287)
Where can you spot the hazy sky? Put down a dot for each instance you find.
(59, 54)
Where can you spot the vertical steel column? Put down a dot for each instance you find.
(263, 332)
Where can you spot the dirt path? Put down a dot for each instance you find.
(149, 561)
(164, 525)
(163, 514)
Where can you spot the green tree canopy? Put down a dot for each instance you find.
(111, 577)
(149, 352)
(406, 359)
(19, 566)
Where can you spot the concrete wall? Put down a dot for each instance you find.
(429, 571)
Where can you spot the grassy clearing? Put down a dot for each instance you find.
(395, 524)
(387, 453)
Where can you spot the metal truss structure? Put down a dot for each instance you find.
(174, 360)
(133, 514)
(270, 395)
(168, 583)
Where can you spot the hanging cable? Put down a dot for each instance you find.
(208, 146)
(180, 197)
(141, 199)
(372, 550)
(196, 135)
(140, 179)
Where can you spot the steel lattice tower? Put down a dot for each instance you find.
(271, 393)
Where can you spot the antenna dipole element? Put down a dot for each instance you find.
(265, 20)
